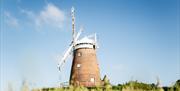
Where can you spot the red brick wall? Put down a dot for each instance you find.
(85, 68)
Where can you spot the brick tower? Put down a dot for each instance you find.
(85, 70)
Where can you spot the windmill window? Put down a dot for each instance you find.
(79, 54)
(92, 80)
(78, 65)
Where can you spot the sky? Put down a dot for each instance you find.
(138, 40)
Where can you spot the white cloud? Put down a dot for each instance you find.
(30, 14)
(50, 16)
(11, 20)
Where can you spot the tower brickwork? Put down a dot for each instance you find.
(85, 69)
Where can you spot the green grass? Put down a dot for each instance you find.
(130, 86)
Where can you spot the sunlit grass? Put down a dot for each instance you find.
(130, 86)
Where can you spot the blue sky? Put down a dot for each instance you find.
(138, 39)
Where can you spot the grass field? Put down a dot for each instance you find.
(130, 86)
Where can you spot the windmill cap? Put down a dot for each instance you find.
(85, 40)
(85, 43)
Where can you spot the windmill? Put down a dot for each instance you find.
(84, 69)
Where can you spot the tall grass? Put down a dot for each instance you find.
(129, 86)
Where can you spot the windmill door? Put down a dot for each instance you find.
(92, 80)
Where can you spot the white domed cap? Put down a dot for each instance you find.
(85, 43)
(85, 40)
